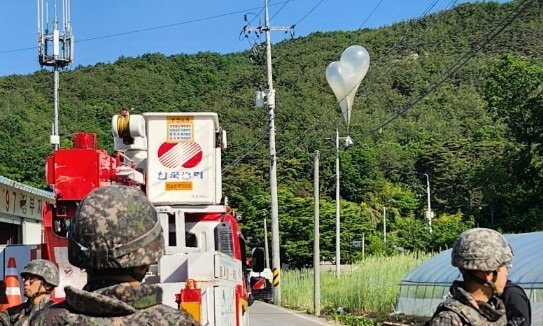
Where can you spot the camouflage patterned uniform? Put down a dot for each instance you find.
(21, 314)
(115, 230)
(462, 309)
(474, 250)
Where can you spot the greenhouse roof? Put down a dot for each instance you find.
(526, 270)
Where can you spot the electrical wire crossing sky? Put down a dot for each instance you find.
(105, 30)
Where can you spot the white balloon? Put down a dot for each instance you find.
(344, 76)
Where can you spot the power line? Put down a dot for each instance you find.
(432, 5)
(142, 30)
(451, 4)
(19, 50)
(168, 25)
(460, 63)
(304, 133)
(308, 13)
(246, 152)
(278, 11)
(371, 13)
(389, 51)
(426, 11)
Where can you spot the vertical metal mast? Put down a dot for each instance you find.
(55, 50)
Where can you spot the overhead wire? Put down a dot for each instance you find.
(279, 10)
(432, 5)
(167, 25)
(304, 133)
(460, 63)
(252, 147)
(426, 11)
(479, 45)
(402, 37)
(451, 4)
(371, 13)
(308, 13)
(245, 153)
(142, 30)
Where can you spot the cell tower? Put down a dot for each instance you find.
(56, 49)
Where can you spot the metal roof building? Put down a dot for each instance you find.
(21, 212)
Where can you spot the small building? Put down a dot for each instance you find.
(428, 284)
(21, 212)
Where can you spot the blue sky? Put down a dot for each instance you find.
(177, 26)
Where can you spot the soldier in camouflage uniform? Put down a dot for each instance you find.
(483, 257)
(39, 277)
(115, 236)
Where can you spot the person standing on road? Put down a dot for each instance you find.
(39, 278)
(483, 256)
(115, 235)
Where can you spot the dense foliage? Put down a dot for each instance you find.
(478, 136)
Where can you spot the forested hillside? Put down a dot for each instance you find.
(478, 136)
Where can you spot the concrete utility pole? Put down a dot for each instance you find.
(363, 246)
(384, 224)
(266, 250)
(429, 210)
(338, 242)
(316, 242)
(270, 101)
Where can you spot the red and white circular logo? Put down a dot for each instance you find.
(186, 154)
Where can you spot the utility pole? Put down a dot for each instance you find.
(363, 246)
(384, 224)
(338, 242)
(266, 250)
(316, 241)
(55, 50)
(429, 210)
(270, 100)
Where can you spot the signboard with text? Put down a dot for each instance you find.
(21, 203)
(183, 161)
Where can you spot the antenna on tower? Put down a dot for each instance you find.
(55, 49)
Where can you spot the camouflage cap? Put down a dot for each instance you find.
(44, 269)
(115, 227)
(481, 249)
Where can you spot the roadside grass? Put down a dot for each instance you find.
(369, 287)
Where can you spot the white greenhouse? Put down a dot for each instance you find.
(427, 284)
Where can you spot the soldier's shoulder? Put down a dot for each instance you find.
(5, 319)
(17, 309)
(171, 315)
(451, 312)
(47, 315)
(13, 313)
(446, 318)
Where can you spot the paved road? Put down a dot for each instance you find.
(264, 314)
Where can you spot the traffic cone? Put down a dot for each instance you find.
(13, 290)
